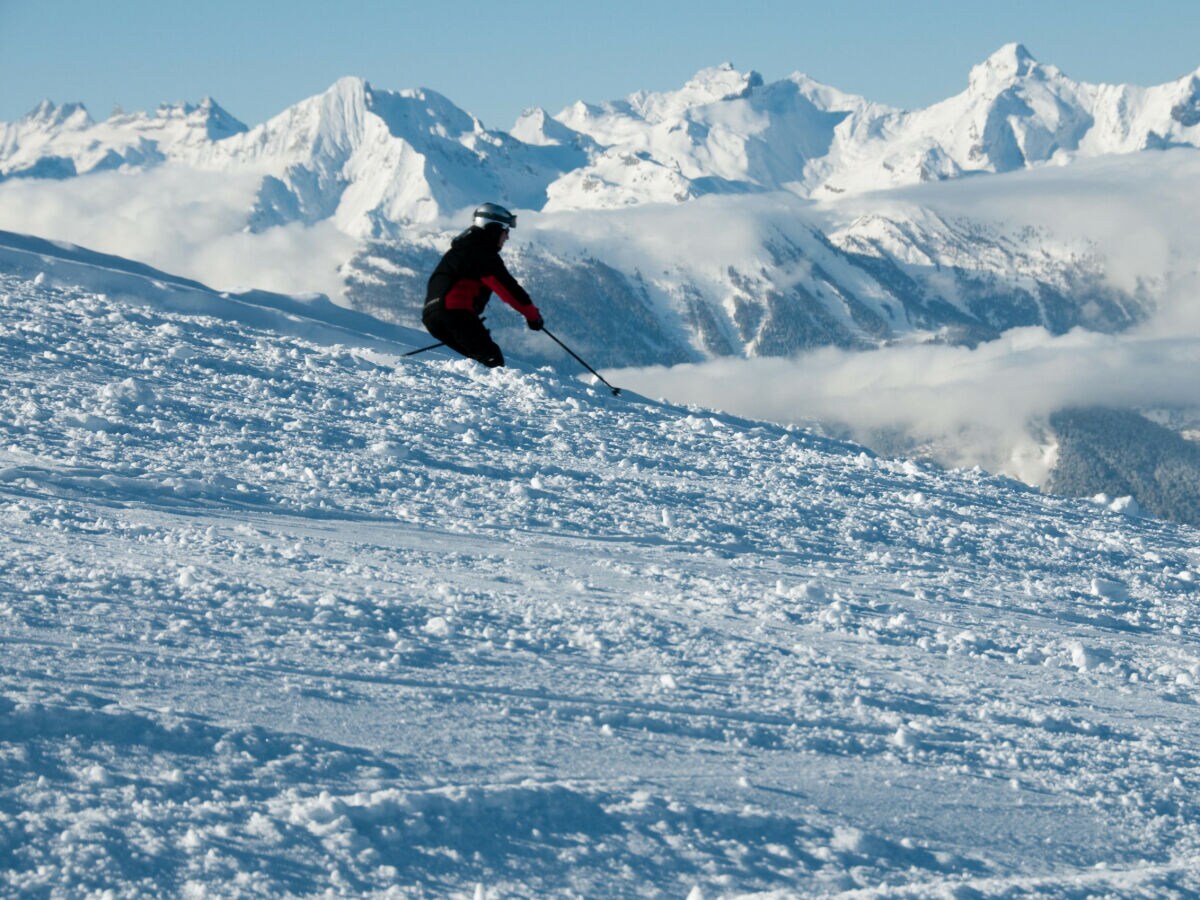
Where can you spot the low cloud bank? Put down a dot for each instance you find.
(181, 220)
(961, 406)
(1138, 214)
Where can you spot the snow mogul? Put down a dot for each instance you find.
(463, 282)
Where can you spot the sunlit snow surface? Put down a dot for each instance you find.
(287, 617)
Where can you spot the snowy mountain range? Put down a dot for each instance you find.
(283, 613)
(377, 160)
(64, 141)
(395, 171)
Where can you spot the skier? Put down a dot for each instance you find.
(463, 282)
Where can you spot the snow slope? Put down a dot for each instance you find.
(284, 614)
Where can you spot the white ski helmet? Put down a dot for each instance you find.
(493, 214)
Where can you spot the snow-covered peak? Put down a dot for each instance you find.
(722, 82)
(707, 86)
(181, 123)
(218, 122)
(1008, 64)
(49, 115)
(48, 142)
(537, 127)
(377, 161)
(350, 87)
(1014, 113)
(333, 118)
(424, 111)
(829, 98)
(351, 113)
(725, 131)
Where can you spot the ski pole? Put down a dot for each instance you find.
(549, 334)
(423, 349)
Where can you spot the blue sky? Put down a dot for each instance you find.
(496, 58)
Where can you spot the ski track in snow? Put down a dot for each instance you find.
(283, 617)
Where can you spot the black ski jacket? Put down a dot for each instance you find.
(470, 271)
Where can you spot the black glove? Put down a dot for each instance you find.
(536, 324)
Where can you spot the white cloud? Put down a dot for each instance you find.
(182, 220)
(969, 407)
(983, 406)
(1140, 212)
